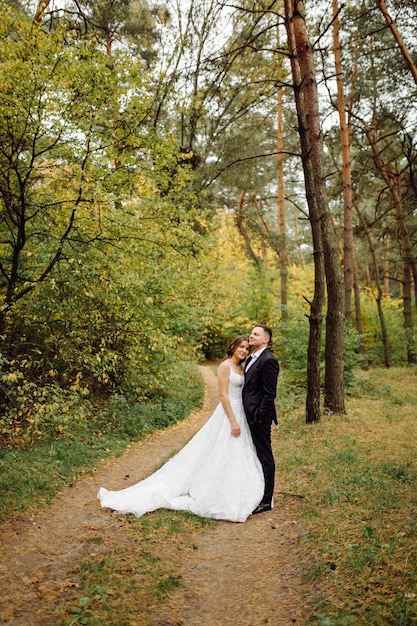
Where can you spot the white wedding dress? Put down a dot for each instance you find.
(215, 475)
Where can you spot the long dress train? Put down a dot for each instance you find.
(215, 475)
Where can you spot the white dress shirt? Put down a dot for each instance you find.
(254, 355)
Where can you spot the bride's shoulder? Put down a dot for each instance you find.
(225, 365)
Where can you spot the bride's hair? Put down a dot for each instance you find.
(235, 344)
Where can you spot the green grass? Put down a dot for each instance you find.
(125, 580)
(356, 473)
(31, 476)
(358, 478)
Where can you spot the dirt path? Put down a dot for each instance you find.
(247, 574)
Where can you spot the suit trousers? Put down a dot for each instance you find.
(261, 435)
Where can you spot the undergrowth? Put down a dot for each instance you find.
(31, 475)
(357, 476)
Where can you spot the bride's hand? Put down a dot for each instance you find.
(235, 429)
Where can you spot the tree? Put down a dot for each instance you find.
(313, 409)
(397, 36)
(42, 7)
(325, 245)
(70, 220)
(345, 136)
(282, 226)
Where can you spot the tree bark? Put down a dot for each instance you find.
(41, 8)
(385, 343)
(346, 172)
(397, 36)
(392, 180)
(334, 363)
(282, 227)
(316, 306)
(408, 316)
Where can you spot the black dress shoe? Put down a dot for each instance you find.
(263, 506)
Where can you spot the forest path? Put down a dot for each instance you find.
(247, 574)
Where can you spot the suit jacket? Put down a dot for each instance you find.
(260, 389)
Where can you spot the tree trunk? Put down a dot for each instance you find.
(397, 36)
(282, 228)
(334, 400)
(392, 180)
(41, 8)
(346, 172)
(358, 317)
(316, 306)
(408, 316)
(379, 295)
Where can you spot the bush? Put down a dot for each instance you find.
(33, 411)
(32, 474)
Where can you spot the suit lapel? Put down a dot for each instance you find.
(254, 365)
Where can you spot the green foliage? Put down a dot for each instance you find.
(126, 417)
(110, 267)
(100, 252)
(38, 412)
(68, 440)
(393, 314)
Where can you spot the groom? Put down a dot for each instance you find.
(259, 391)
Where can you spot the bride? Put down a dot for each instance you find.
(217, 474)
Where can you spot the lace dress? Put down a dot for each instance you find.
(215, 475)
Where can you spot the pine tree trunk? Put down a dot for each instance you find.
(316, 306)
(282, 227)
(358, 316)
(385, 343)
(346, 172)
(334, 364)
(397, 36)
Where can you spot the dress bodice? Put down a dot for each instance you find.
(235, 385)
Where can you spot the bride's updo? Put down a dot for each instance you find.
(235, 344)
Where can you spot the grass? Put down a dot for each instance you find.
(358, 478)
(120, 584)
(31, 476)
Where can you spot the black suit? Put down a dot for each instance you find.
(259, 392)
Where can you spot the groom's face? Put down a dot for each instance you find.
(258, 339)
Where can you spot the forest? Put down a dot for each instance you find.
(173, 172)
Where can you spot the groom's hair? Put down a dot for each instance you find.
(266, 329)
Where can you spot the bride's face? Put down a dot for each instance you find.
(242, 351)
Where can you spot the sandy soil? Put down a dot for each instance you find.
(242, 574)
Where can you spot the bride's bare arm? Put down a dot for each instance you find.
(223, 382)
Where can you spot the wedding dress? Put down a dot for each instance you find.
(215, 475)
